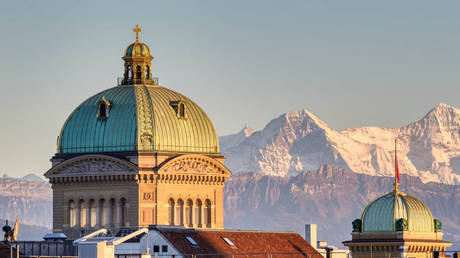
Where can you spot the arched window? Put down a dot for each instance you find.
(103, 108)
(171, 205)
(147, 72)
(92, 211)
(113, 212)
(181, 110)
(180, 212)
(72, 214)
(138, 74)
(124, 211)
(103, 214)
(129, 71)
(198, 213)
(82, 215)
(189, 213)
(207, 213)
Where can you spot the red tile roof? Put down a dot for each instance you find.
(248, 243)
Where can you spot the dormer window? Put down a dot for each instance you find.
(103, 108)
(178, 107)
(181, 110)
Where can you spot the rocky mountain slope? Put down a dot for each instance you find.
(29, 200)
(330, 197)
(296, 141)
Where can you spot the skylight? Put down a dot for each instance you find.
(191, 240)
(229, 242)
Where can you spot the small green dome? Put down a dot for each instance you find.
(138, 118)
(137, 49)
(382, 214)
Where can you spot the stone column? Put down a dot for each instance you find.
(88, 215)
(118, 224)
(98, 215)
(77, 215)
(108, 213)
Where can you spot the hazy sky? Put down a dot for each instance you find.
(352, 63)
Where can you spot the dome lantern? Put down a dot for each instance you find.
(137, 63)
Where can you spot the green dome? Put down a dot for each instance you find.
(382, 214)
(138, 118)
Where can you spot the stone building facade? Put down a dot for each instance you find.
(134, 155)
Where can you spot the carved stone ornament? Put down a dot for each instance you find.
(95, 166)
(189, 166)
(147, 196)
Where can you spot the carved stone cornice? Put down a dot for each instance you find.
(92, 166)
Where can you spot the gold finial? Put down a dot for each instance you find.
(137, 30)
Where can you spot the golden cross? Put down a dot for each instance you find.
(137, 30)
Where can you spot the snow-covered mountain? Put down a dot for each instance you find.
(297, 141)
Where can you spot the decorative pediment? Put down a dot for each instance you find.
(193, 164)
(91, 165)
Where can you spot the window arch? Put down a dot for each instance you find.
(129, 72)
(198, 213)
(207, 213)
(124, 211)
(138, 74)
(103, 212)
(147, 72)
(189, 213)
(181, 110)
(179, 107)
(92, 213)
(103, 108)
(171, 205)
(82, 214)
(72, 214)
(180, 212)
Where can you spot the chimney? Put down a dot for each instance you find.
(310, 234)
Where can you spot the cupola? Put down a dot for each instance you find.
(137, 63)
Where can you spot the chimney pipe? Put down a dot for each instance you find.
(310, 235)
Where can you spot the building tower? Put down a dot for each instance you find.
(135, 155)
(396, 225)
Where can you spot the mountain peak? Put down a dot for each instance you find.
(304, 114)
(442, 108)
(444, 115)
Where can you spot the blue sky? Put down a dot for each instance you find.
(352, 63)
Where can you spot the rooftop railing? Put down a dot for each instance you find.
(131, 81)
